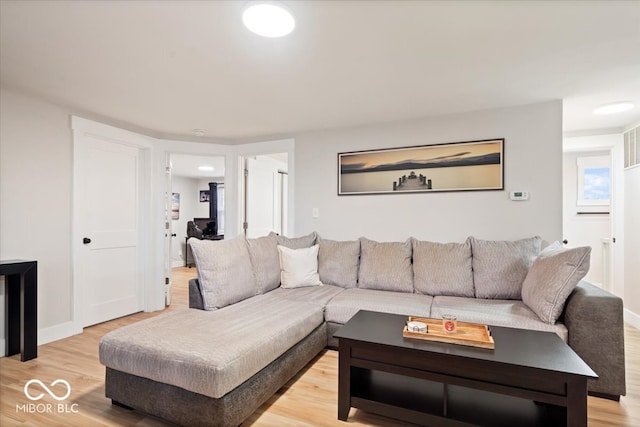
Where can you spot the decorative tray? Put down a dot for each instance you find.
(471, 334)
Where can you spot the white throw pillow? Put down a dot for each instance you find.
(299, 267)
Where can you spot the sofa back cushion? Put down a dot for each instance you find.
(224, 271)
(385, 266)
(298, 242)
(338, 262)
(499, 267)
(554, 275)
(263, 252)
(442, 268)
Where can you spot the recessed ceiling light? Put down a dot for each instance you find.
(206, 168)
(618, 107)
(268, 19)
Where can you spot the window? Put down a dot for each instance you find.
(594, 181)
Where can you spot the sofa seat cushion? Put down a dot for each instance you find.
(507, 313)
(346, 304)
(210, 352)
(319, 295)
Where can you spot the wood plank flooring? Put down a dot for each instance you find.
(309, 399)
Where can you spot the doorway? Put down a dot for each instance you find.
(190, 201)
(265, 190)
(587, 209)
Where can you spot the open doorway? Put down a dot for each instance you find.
(588, 217)
(190, 179)
(193, 178)
(264, 198)
(587, 209)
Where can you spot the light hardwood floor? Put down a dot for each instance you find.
(309, 399)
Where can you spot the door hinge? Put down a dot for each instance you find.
(245, 225)
(166, 280)
(167, 169)
(246, 173)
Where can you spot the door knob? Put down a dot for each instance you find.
(86, 240)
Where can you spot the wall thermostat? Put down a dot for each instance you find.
(519, 195)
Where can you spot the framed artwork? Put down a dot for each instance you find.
(175, 206)
(459, 166)
(204, 196)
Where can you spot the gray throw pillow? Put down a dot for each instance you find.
(298, 242)
(385, 266)
(224, 271)
(338, 262)
(263, 252)
(499, 267)
(554, 275)
(442, 268)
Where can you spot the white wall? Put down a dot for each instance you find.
(35, 201)
(36, 182)
(533, 162)
(632, 244)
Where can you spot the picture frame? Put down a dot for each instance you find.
(458, 166)
(204, 196)
(175, 206)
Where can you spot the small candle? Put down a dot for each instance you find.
(417, 326)
(449, 323)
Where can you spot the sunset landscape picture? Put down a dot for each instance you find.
(462, 166)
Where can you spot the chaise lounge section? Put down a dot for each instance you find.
(257, 318)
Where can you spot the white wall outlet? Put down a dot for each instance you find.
(519, 195)
(315, 213)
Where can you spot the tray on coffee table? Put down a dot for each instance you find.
(471, 334)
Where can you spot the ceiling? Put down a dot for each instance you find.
(187, 165)
(173, 66)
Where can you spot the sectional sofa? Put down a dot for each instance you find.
(262, 309)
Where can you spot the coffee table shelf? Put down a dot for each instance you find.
(531, 378)
(423, 402)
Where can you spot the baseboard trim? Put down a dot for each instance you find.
(58, 332)
(47, 335)
(177, 263)
(631, 318)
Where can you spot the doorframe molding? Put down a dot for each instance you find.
(81, 129)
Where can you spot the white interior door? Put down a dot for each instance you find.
(108, 217)
(259, 216)
(168, 229)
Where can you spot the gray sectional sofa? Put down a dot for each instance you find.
(261, 309)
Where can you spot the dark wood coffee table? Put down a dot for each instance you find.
(531, 378)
